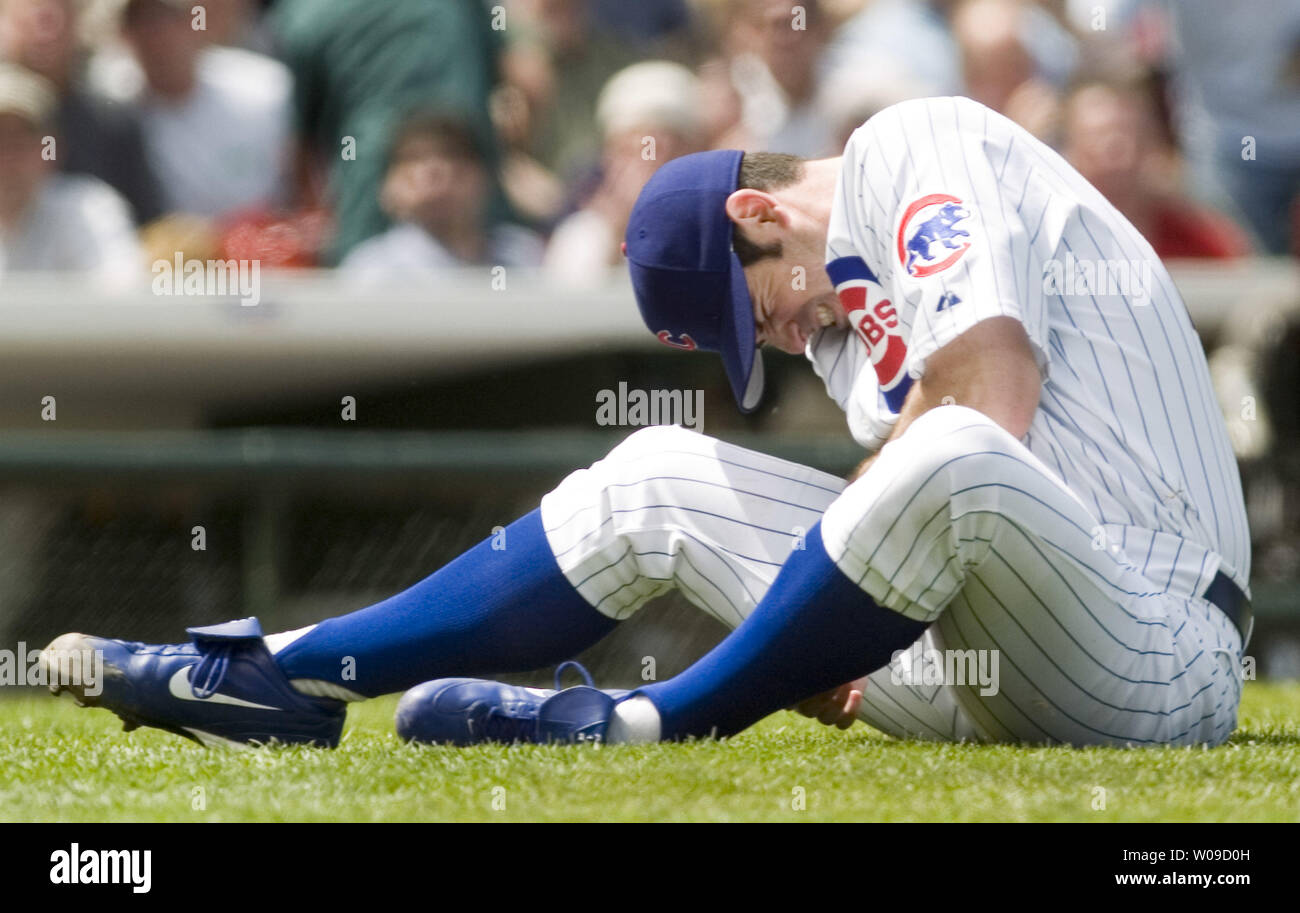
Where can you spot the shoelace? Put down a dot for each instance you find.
(499, 726)
(582, 670)
(210, 671)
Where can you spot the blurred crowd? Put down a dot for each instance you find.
(395, 137)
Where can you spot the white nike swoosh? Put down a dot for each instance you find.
(179, 686)
(211, 740)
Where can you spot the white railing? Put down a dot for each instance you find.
(131, 351)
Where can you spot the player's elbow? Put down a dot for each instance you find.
(1014, 409)
(990, 367)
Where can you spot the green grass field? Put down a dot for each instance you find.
(62, 763)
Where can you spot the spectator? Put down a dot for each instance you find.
(1119, 37)
(238, 24)
(649, 113)
(437, 189)
(1016, 59)
(1237, 75)
(216, 120)
(1109, 132)
(560, 58)
(775, 47)
(358, 67)
(532, 190)
(721, 106)
(48, 220)
(646, 22)
(95, 135)
(908, 41)
(850, 99)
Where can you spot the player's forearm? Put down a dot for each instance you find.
(990, 368)
(913, 406)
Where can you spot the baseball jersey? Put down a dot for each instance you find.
(947, 213)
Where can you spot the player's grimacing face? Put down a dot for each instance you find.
(785, 234)
(793, 299)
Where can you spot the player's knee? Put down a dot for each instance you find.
(657, 439)
(648, 458)
(941, 452)
(644, 456)
(947, 422)
(948, 467)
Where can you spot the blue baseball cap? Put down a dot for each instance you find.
(689, 284)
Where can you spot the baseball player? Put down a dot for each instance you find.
(1050, 491)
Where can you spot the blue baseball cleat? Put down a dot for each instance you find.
(223, 688)
(467, 711)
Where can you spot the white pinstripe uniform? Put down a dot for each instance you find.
(1077, 553)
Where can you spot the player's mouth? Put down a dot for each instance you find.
(828, 314)
(816, 315)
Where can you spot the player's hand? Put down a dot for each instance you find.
(837, 707)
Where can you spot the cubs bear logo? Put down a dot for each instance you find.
(928, 232)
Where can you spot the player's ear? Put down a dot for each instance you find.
(755, 211)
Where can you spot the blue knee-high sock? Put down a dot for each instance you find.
(813, 631)
(488, 611)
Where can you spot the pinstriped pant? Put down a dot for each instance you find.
(956, 522)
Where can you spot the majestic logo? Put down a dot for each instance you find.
(928, 231)
(875, 319)
(666, 337)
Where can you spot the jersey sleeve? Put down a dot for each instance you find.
(959, 250)
(870, 419)
(843, 365)
(855, 241)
